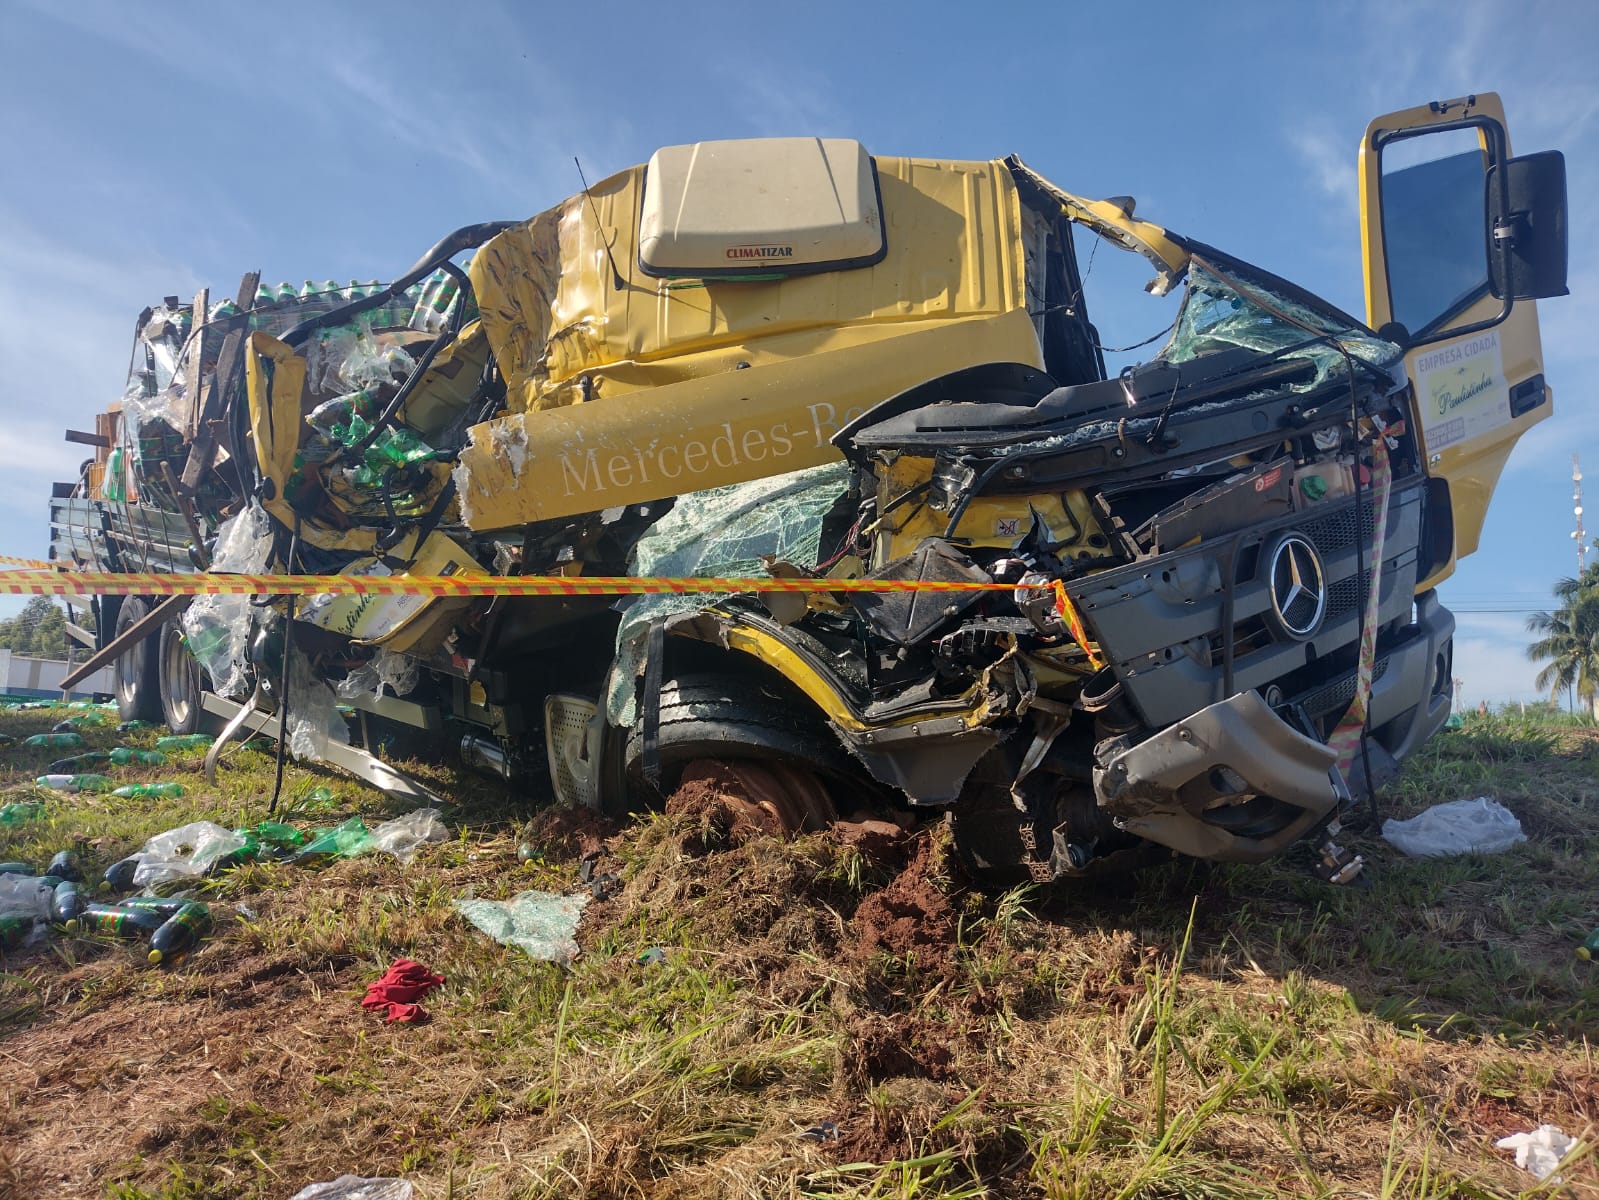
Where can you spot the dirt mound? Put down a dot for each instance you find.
(568, 831)
(912, 916)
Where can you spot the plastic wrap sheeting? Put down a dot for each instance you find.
(217, 628)
(350, 358)
(1216, 316)
(725, 531)
(314, 720)
(397, 671)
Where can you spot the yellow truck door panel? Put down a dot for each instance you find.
(1428, 179)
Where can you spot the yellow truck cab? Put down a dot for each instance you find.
(1209, 621)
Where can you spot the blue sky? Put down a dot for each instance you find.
(155, 149)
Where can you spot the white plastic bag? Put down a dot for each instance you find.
(353, 1187)
(188, 850)
(404, 836)
(1541, 1150)
(24, 896)
(1480, 826)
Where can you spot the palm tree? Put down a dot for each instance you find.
(1568, 640)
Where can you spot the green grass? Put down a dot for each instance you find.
(1213, 1032)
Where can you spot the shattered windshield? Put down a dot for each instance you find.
(1220, 312)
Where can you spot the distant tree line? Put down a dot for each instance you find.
(38, 631)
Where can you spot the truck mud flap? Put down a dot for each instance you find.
(1231, 783)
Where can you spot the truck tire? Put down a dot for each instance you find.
(138, 685)
(180, 681)
(730, 717)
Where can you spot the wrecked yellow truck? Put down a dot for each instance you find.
(1215, 626)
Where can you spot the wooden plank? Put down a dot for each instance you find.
(189, 421)
(78, 437)
(79, 634)
(248, 286)
(150, 623)
(202, 454)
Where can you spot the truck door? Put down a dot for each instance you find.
(1459, 239)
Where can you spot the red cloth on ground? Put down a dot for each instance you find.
(396, 993)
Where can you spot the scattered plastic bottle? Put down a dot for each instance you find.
(180, 933)
(54, 741)
(119, 875)
(70, 725)
(112, 486)
(149, 791)
(75, 783)
(162, 906)
(1590, 947)
(279, 834)
(66, 902)
(68, 766)
(16, 868)
(14, 929)
(344, 418)
(113, 920)
(18, 811)
(65, 866)
(125, 756)
(134, 726)
(183, 741)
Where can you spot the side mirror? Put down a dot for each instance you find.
(1527, 227)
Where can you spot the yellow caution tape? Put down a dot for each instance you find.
(129, 583)
(32, 564)
(34, 582)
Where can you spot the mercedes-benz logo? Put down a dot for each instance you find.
(1298, 585)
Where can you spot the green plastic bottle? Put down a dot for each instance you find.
(113, 920)
(149, 791)
(345, 841)
(54, 741)
(134, 726)
(279, 834)
(183, 741)
(75, 783)
(14, 927)
(119, 875)
(125, 756)
(1590, 947)
(180, 933)
(16, 868)
(65, 865)
(112, 486)
(66, 902)
(163, 906)
(89, 758)
(18, 812)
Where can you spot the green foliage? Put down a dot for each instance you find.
(38, 631)
(1568, 639)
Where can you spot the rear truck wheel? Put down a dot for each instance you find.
(740, 720)
(138, 684)
(180, 681)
